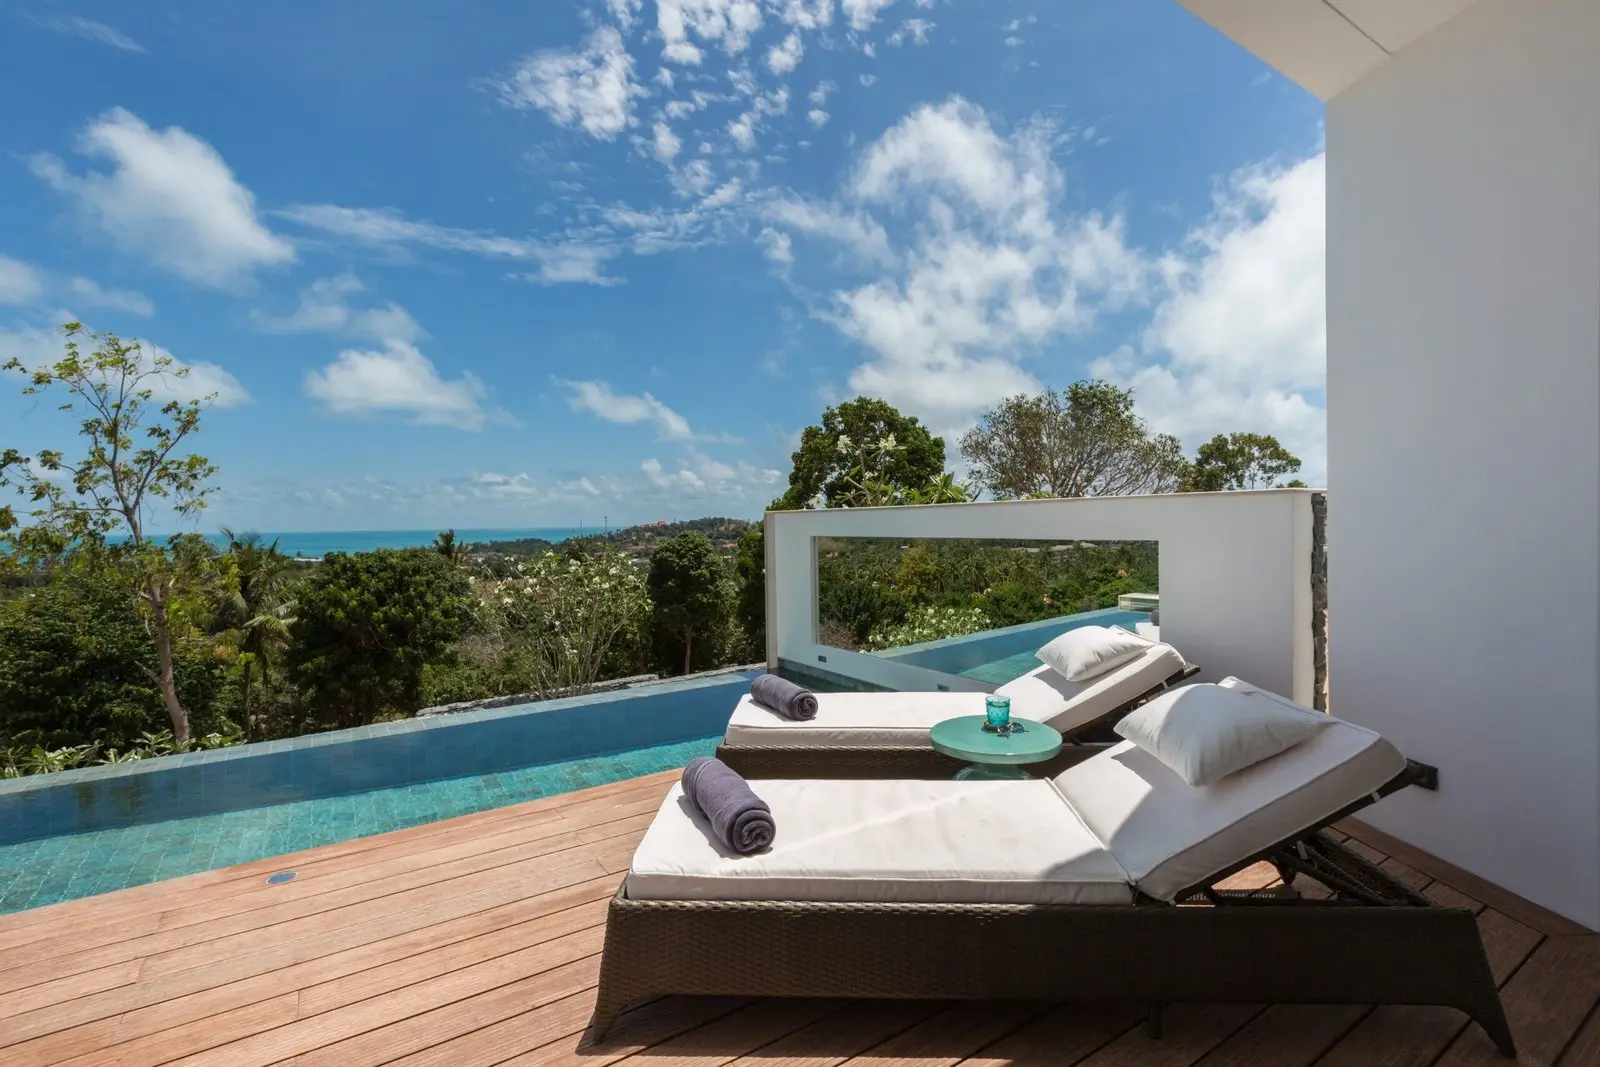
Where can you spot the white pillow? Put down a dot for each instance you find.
(1206, 732)
(1090, 651)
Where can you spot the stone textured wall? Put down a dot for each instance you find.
(1319, 600)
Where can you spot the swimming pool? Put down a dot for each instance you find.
(1000, 655)
(87, 831)
(52, 869)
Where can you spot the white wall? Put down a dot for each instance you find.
(1464, 436)
(1235, 574)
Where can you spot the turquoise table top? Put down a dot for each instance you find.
(966, 739)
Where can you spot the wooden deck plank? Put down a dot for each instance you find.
(1286, 1035)
(128, 905)
(150, 1005)
(474, 943)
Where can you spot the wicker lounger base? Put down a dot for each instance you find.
(1299, 953)
(916, 762)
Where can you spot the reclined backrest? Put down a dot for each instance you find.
(1046, 696)
(1168, 835)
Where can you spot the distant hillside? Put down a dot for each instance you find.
(631, 539)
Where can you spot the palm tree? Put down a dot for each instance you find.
(254, 617)
(445, 545)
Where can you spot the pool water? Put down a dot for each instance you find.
(53, 869)
(1002, 671)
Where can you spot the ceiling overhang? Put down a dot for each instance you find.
(1326, 46)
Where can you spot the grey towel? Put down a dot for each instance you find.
(784, 697)
(740, 820)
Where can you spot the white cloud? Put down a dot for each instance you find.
(20, 283)
(986, 269)
(89, 30)
(817, 117)
(324, 307)
(776, 245)
(598, 398)
(869, 80)
(699, 476)
(863, 13)
(1013, 42)
(185, 381)
(1238, 341)
(783, 57)
(573, 264)
(573, 261)
(667, 144)
(726, 22)
(743, 131)
(824, 89)
(90, 293)
(806, 14)
(625, 11)
(399, 380)
(592, 89)
(915, 29)
(170, 197)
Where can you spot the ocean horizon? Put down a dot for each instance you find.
(313, 544)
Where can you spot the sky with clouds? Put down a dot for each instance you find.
(497, 264)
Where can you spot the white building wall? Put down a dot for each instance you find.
(1464, 437)
(1235, 575)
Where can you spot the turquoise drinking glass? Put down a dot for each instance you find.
(997, 710)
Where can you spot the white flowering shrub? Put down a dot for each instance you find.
(557, 618)
(929, 624)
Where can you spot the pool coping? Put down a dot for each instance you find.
(32, 783)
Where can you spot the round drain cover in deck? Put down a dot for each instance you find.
(280, 878)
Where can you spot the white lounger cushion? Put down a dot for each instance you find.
(1169, 835)
(902, 720)
(900, 841)
(1086, 652)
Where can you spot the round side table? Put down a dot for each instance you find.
(994, 756)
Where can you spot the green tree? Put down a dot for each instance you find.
(688, 589)
(77, 665)
(828, 464)
(750, 574)
(445, 544)
(1241, 461)
(367, 624)
(1083, 441)
(255, 611)
(916, 576)
(131, 461)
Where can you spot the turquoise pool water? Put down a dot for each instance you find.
(65, 867)
(1002, 671)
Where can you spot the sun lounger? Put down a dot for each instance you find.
(1099, 884)
(885, 735)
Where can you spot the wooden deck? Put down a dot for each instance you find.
(476, 942)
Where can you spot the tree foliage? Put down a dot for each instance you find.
(862, 441)
(365, 626)
(750, 575)
(1240, 461)
(76, 665)
(132, 459)
(689, 590)
(254, 611)
(1082, 441)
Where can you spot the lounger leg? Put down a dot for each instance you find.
(1152, 1020)
(1492, 1017)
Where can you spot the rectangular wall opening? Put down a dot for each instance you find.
(978, 608)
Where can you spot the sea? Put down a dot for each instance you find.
(314, 544)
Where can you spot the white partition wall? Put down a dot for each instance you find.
(1235, 575)
(1464, 436)
(1463, 159)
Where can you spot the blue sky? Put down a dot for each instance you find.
(510, 264)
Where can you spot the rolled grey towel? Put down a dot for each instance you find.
(1155, 617)
(740, 820)
(784, 697)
